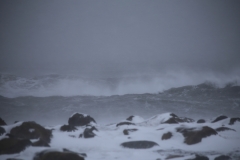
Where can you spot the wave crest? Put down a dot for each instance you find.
(58, 85)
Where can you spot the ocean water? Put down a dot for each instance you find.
(51, 99)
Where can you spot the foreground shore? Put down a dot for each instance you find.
(163, 136)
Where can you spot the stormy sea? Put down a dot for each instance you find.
(123, 110)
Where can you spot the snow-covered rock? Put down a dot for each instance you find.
(151, 139)
(79, 119)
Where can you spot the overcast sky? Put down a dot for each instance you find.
(119, 36)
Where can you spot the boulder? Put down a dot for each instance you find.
(175, 119)
(126, 131)
(130, 118)
(13, 145)
(31, 130)
(2, 122)
(174, 156)
(124, 123)
(193, 135)
(57, 155)
(166, 136)
(88, 132)
(40, 143)
(166, 118)
(78, 119)
(68, 128)
(135, 119)
(199, 157)
(139, 144)
(2, 131)
(233, 120)
(220, 129)
(223, 157)
(219, 118)
(201, 121)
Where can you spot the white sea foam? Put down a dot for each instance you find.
(59, 85)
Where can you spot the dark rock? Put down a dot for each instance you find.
(130, 118)
(220, 129)
(88, 132)
(80, 120)
(198, 157)
(2, 122)
(201, 121)
(82, 154)
(124, 123)
(193, 136)
(126, 131)
(10, 135)
(223, 157)
(57, 155)
(171, 121)
(174, 156)
(173, 115)
(166, 136)
(175, 119)
(219, 118)
(12, 145)
(31, 130)
(41, 143)
(13, 159)
(68, 128)
(2, 131)
(139, 144)
(233, 120)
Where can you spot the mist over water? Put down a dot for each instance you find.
(73, 85)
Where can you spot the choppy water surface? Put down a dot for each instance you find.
(196, 101)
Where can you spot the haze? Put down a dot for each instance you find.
(116, 38)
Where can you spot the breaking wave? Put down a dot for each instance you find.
(58, 85)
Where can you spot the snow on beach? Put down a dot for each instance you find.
(106, 141)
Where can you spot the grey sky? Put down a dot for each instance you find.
(119, 36)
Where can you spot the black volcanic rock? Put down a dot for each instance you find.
(139, 144)
(2, 131)
(57, 155)
(2, 122)
(40, 143)
(219, 118)
(68, 128)
(201, 121)
(125, 123)
(200, 157)
(220, 129)
(166, 136)
(88, 132)
(175, 119)
(130, 118)
(233, 120)
(31, 130)
(174, 156)
(223, 157)
(13, 145)
(126, 131)
(193, 135)
(80, 120)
